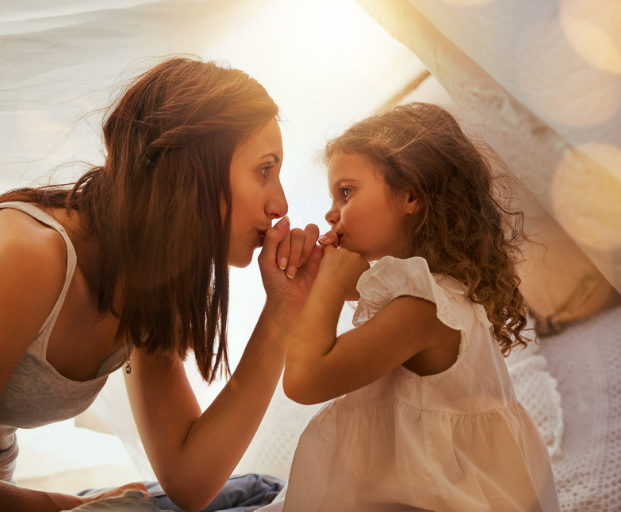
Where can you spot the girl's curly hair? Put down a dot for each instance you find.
(460, 229)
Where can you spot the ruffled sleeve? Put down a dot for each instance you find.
(391, 277)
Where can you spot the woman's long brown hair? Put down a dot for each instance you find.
(160, 205)
(460, 229)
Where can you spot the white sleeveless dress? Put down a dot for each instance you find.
(455, 441)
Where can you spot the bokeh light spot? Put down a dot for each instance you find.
(594, 31)
(561, 87)
(586, 195)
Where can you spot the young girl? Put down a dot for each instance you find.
(426, 417)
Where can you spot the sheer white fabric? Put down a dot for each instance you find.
(541, 82)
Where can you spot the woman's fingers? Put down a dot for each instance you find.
(283, 251)
(295, 252)
(118, 491)
(272, 241)
(311, 232)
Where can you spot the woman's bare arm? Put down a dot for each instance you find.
(193, 452)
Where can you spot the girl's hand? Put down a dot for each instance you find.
(343, 267)
(330, 238)
(299, 248)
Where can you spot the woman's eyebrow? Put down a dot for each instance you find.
(274, 156)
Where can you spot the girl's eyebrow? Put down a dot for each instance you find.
(343, 180)
(338, 183)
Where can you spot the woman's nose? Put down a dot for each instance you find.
(277, 206)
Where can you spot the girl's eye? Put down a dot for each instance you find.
(345, 191)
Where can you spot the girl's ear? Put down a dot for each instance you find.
(411, 203)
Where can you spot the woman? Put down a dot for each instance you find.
(129, 267)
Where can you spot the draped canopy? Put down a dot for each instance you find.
(541, 82)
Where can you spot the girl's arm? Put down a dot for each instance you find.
(321, 366)
(193, 452)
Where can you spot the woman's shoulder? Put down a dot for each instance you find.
(30, 253)
(32, 266)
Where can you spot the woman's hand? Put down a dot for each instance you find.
(289, 263)
(295, 249)
(114, 493)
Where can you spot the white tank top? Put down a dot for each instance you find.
(36, 394)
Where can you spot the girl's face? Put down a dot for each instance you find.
(366, 216)
(256, 192)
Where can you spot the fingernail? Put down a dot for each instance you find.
(322, 238)
(291, 272)
(283, 223)
(283, 263)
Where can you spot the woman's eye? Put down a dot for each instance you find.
(265, 170)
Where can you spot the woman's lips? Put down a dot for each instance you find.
(261, 236)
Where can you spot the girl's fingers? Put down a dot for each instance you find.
(311, 234)
(272, 241)
(297, 245)
(330, 238)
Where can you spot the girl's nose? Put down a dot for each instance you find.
(332, 216)
(276, 205)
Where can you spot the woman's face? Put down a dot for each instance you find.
(256, 192)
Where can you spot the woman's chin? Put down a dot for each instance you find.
(241, 260)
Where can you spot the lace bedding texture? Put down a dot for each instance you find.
(570, 385)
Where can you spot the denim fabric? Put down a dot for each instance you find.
(240, 494)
